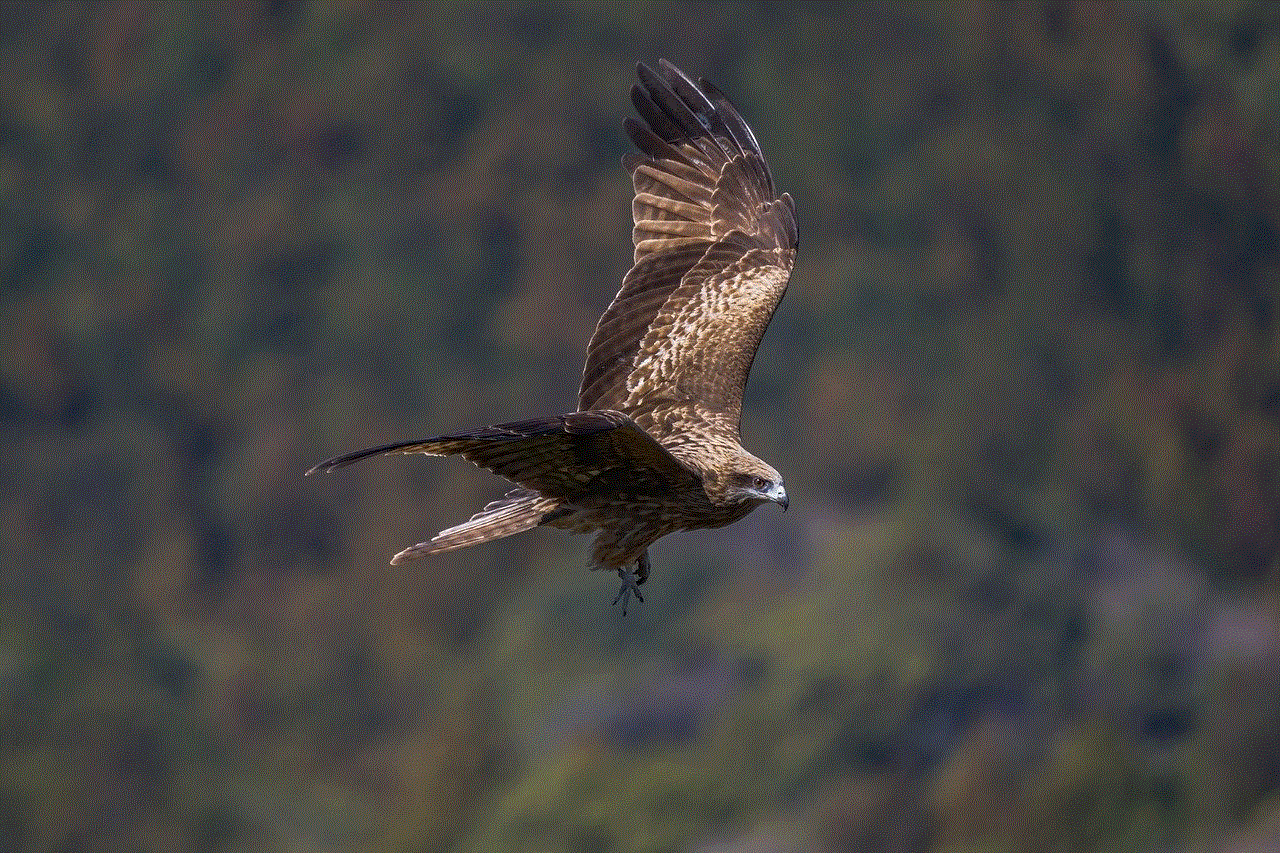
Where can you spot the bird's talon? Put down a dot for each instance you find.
(629, 588)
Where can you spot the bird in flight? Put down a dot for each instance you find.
(654, 447)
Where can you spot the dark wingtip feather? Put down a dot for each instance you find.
(680, 122)
(729, 113)
(328, 466)
(693, 97)
(651, 143)
(653, 115)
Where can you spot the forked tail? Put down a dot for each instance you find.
(519, 510)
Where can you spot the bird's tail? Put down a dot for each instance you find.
(519, 510)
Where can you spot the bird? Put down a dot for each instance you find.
(655, 445)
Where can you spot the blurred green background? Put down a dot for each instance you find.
(1025, 391)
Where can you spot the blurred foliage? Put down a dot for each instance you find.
(1025, 390)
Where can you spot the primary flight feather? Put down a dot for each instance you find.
(655, 446)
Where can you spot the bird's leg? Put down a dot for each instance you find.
(631, 582)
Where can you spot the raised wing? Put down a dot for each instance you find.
(714, 249)
(567, 456)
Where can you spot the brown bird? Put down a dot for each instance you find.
(655, 445)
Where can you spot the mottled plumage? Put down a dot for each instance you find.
(655, 445)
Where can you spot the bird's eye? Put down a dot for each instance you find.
(760, 483)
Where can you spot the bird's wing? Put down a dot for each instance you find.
(566, 456)
(714, 247)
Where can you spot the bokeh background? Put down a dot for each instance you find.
(1025, 391)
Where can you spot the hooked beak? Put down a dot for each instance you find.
(779, 496)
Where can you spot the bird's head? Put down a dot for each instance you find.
(757, 482)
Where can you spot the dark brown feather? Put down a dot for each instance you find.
(654, 448)
(517, 511)
(565, 456)
(714, 248)
(611, 356)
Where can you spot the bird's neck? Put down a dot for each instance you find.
(716, 465)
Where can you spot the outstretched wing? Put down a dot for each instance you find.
(714, 247)
(566, 457)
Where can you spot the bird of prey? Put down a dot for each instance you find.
(654, 446)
